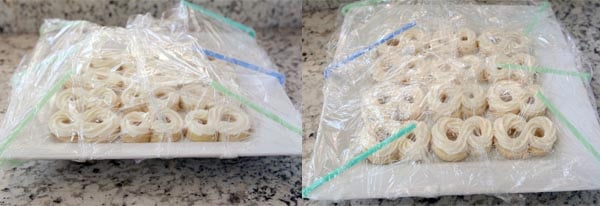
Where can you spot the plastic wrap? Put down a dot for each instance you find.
(495, 97)
(190, 84)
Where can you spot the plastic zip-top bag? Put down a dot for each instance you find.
(190, 84)
(431, 98)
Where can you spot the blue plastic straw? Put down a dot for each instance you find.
(244, 64)
(368, 48)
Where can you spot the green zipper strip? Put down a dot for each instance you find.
(357, 159)
(571, 127)
(537, 16)
(350, 6)
(32, 113)
(582, 75)
(257, 108)
(220, 18)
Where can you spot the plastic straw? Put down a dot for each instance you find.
(570, 126)
(362, 156)
(221, 18)
(350, 6)
(536, 18)
(243, 64)
(368, 48)
(257, 108)
(582, 75)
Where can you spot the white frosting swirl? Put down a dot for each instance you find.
(509, 134)
(410, 103)
(166, 126)
(100, 125)
(104, 97)
(386, 68)
(531, 105)
(402, 69)
(471, 68)
(165, 97)
(134, 96)
(374, 133)
(505, 97)
(479, 134)
(111, 80)
(494, 72)
(198, 96)
(136, 124)
(467, 41)
(444, 100)
(415, 145)
(473, 100)
(541, 133)
(446, 136)
(232, 123)
(493, 41)
(442, 42)
(72, 99)
(64, 126)
(444, 71)
(199, 124)
(381, 102)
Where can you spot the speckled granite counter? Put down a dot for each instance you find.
(579, 17)
(18, 16)
(256, 180)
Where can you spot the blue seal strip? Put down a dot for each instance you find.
(368, 48)
(244, 64)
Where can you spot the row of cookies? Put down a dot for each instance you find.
(101, 125)
(453, 139)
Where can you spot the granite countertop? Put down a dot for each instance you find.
(578, 17)
(18, 16)
(248, 180)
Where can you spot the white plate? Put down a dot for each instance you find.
(569, 167)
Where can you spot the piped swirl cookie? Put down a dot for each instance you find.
(232, 122)
(510, 137)
(135, 127)
(374, 133)
(166, 126)
(541, 133)
(200, 126)
(479, 133)
(415, 145)
(505, 97)
(447, 142)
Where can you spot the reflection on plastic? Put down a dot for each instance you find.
(223, 19)
(368, 48)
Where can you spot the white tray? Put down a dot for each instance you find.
(569, 167)
(261, 143)
(268, 139)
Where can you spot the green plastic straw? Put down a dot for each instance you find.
(357, 159)
(221, 18)
(348, 7)
(256, 108)
(11, 137)
(570, 126)
(582, 75)
(537, 16)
